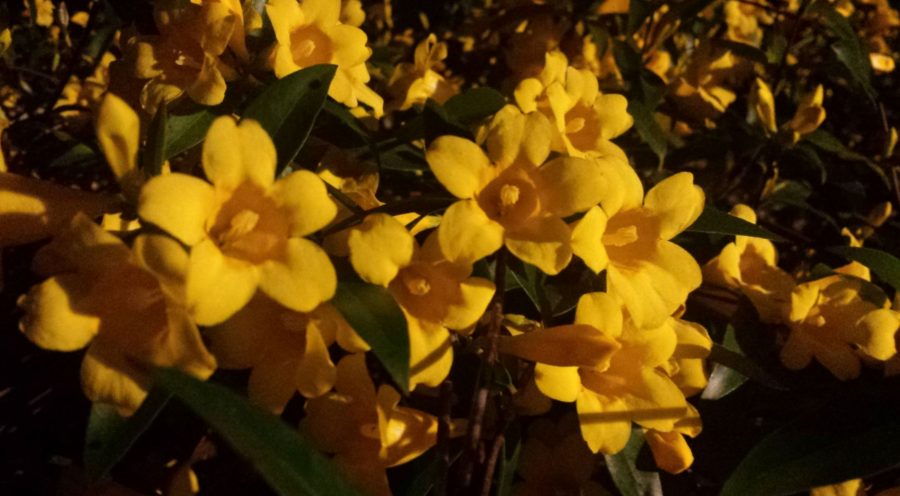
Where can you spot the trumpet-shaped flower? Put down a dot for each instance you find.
(669, 448)
(33, 209)
(120, 304)
(631, 238)
(831, 320)
(245, 230)
(312, 33)
(809, 115)
(415, 83)
(366, 430)
(435, 294)
(700, 91)
(185, 58)
(509, 196)
(585, 119)
(610, 368)
(750, 265)
(287, 350)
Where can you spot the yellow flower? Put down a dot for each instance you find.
(123, 304)
(556, 460)
(287, 350)
(434, 293)
(352, 12)
(118, 130)
(699, 91)
(367, 431)
(415, 83)
(246, 229)
(743, 22)
(585, 119)
(853, 487)
(610, 368)
(830, 321)
(809, 115)
(312, 33)
(33, 209)
(509, 196)
(44, 11)
(750, 265)
(630, 237)
(89, 92)
(185, 57)
(669, 448)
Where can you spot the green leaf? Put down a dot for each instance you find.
(109, 436)
(724, 380)
(854, 435)
(648, 128)
(715, 221)
(154, 153)
(284, 458)
(848, 48)
(743, 365)
(474, 105)
(509, 463)
(184, 130)
(829, 143)
(885, 265)
(375, 316)
(287, 109)
(628, 478)
(79, 155)
(743, 50)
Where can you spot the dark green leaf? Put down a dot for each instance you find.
(848, 48)
(743, 365)
(715, 221)
(185, 130)
(509, 463)
(438, 122)
(285, 459)
(648, 128)
(852, 436)
(638, 11)
(80, 155)
(628, 478)
(375, 316)
(288, 108)
(885, 265)
(724, 380)
(109, 436)
(828, 142)
(154, 153)
(474, 105)
(744, 50)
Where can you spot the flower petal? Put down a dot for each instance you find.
(575, 345)
(316, 373)
(459, 164)
(379, 248)
(430, 353)
(53, 318)
(571, 185)
(559, 383)
(305, 197)
(272, 384)
(602, 435)
(475, 294)
(118, 132)
(302, 280)
(677, 202)
(670, 451)
(587, 239)
(600, 311)
(543, 242)
(178, 204)
(467, 234)
(107, 378)
(217, 286)
(234, 153)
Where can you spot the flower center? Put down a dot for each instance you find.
(622, 236)
(509, 196)
(418, 286)
(370, 431)
(241, 225)
(310, 46)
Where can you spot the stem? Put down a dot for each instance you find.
(492, 465)
(443, 438)
(489, 358)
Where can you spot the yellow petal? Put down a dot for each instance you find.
(670, 451)
(475, 293)
(316, 373)
(234, 153)
(208, 88)
(54, 319)
(241, 341)
(527, 93)
(178, 204)
(107, 378)
(613, 115)
(559, 383)
(303, 195)
(379, 248)
(876, 333)
(430, 353)
(165, 258)
(34, 209)
(466, 234)
(543, 242)
(602, 435)
(218, 286)
(587, 239)
(271, 383)
(676, 202)
(302, 280)
(118, 132)
(571, 185)
(512, 135)
(574, 345)
(600, 311)
(181, 346)
(764, 105)
(459, 164)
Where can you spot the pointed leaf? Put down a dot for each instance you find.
(715, 221)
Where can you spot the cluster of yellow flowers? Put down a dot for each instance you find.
(223, 261)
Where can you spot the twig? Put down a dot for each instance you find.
(492, 465)
(443, 438)
(479, 404)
